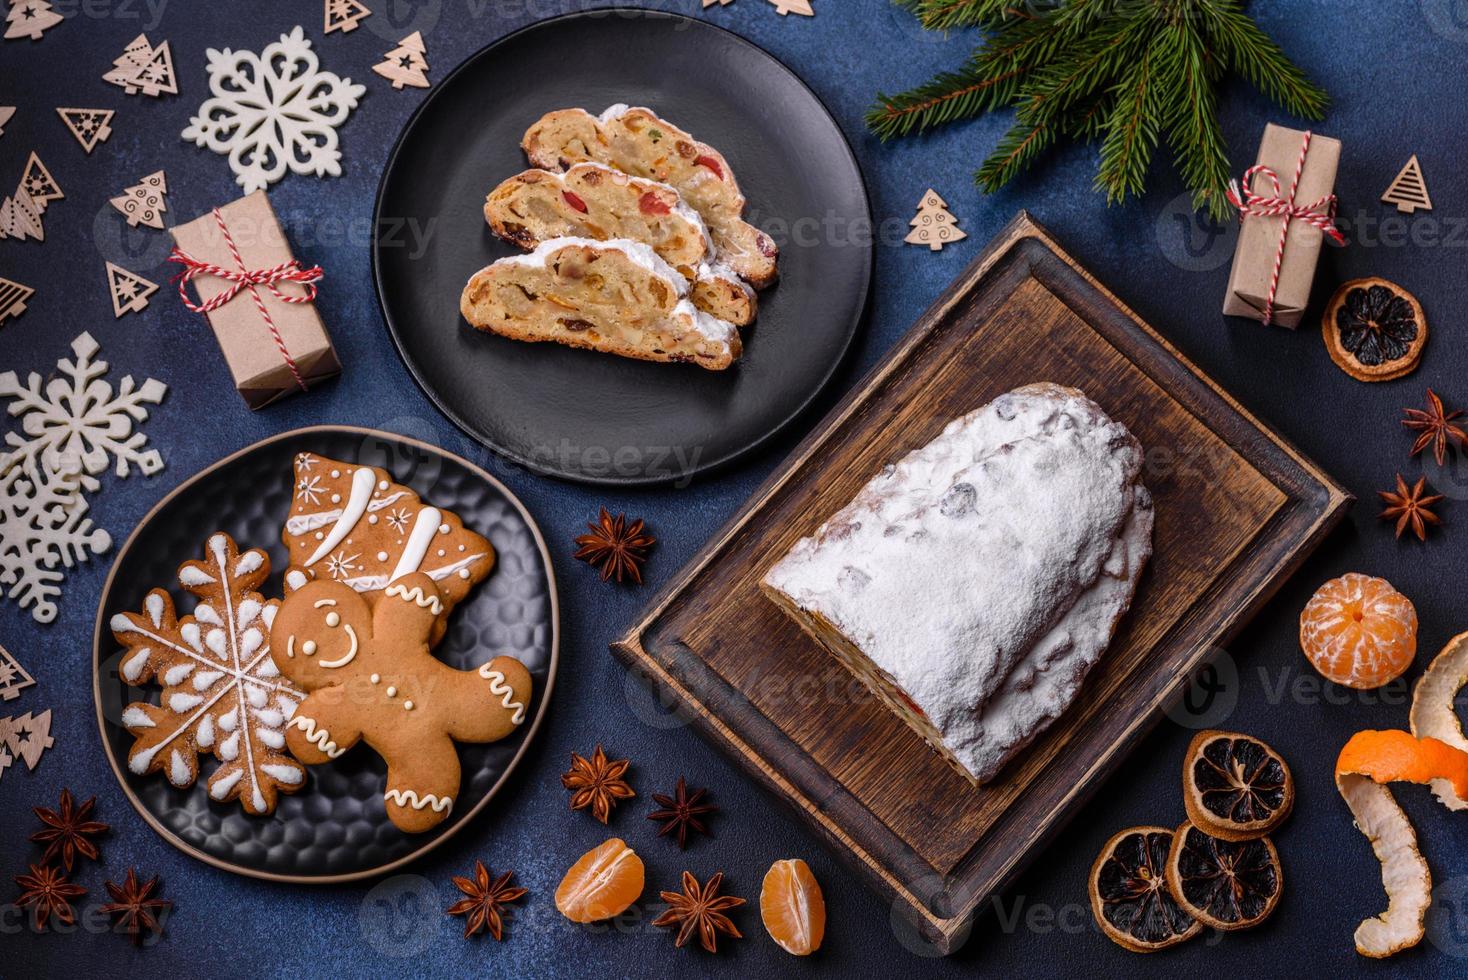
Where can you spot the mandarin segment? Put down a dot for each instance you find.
(603, 883)
(1359, 631)
(792, 907)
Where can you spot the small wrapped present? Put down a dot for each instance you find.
(257, 297)
(1287, 207)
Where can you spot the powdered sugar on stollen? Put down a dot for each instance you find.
(1013, 540)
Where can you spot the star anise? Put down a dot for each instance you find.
(1435, 428)
(68, 832)
(1410, 508)
(616, 547)
(700, 910)
(135, 907)
(46, 892)
(597, 783)
(485, 904)
(680, 812)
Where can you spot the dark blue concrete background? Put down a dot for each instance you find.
(1395, 71)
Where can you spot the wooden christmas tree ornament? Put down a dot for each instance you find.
(934, 226)
(89, 126)
(405, 64)
(130, 291)
(709, 3)
(6, 111)
(13, 677)
(25, 738)
(13, 298)
(1409, 191)
(30, 18)
(342, 15)
(801, 7)
(143, 202)
(20, 218)
(144, 68)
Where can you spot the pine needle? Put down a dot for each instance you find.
(1125, 72)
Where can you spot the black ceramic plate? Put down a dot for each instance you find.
(594, 417)
(335, 828)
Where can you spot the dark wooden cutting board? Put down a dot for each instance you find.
(1238, 509)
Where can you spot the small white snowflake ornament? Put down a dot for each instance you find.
(274, 111)
(43, 528)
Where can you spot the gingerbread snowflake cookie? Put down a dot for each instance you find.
(372, 677)
(352, 524)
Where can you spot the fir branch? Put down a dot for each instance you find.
(941, 15)
(1016, 151)
(949, 97)
(1253, 54)
(1132, 132)
(1191, 117)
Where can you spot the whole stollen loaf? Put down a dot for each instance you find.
(974, 583)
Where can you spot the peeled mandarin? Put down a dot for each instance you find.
(603, 883)
(1359, 631)
(792, 907)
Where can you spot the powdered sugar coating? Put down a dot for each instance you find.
(1026, 526)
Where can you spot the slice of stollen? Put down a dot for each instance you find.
(592, 200)
(637, 141)
(617, 297)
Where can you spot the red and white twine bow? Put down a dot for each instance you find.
(242, 279)
(1320, 214)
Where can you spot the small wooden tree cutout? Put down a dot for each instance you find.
(709, 3)
(25, 737)
(342, 15)
(144, 68)
(934, 226)
(405, 64)
(801, 7)
(13, 677)
(143, 202)
(13, 298)
(6, 111)
(130, 291)
(38, 183)
(20, 218)
(1409, 191)
(89, 126)
(30, 18)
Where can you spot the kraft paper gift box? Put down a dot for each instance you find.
(1258, 243)
(262, 370)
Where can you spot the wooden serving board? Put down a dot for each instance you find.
(1238, 509)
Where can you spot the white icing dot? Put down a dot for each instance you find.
(463, 573)
(382, 556)
(335, 474)
(392, 692)
(461, 547)
(376, 678)
(382, 484)
(309, 647)
(407, 705)
(372, 519)
(443, 529)
(440, 552)
(320, 535)
(333, 618)
(336, 498)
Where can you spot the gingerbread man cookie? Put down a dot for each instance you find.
(370, 677)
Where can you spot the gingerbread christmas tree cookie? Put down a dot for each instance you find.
(355, 525)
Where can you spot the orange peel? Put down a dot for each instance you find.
(1369, 761)
(1433, 716)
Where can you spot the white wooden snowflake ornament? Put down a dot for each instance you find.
(274, 111)
(72, 427)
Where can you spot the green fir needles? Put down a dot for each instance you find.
(1129, 73)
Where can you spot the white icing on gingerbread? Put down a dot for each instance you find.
(418, 540)
(500, 689)
(317, 737)
(415, 595)
(362, 482)
(410, 799)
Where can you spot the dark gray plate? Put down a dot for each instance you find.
(335, 828)
(579, 414)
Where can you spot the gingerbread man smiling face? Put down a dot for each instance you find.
(370, 677)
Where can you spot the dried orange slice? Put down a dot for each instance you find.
(1433, 715)
(1374, 329)
(603, 883)
(1235, 787)
(1366, 763)
(1129, 895)
(792, 907)
(1224, 884)
(1359, 631)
